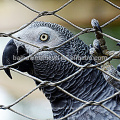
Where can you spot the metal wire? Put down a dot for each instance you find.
(81, 67)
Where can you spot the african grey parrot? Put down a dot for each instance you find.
(88, 85)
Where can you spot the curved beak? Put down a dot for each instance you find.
(12, 54)
(9, 52)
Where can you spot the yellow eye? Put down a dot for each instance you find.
(44, 37)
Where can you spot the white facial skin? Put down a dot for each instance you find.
(40, 36)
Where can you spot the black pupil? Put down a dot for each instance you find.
(43, 36)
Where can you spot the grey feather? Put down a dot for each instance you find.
(88, 85)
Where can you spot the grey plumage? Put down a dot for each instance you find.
(88, 85)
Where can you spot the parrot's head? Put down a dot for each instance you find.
(39, 34)
(85, 84)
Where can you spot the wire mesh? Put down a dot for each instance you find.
(81, 67)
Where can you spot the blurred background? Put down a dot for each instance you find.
(13, 15)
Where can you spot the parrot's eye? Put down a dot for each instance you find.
(44, 37)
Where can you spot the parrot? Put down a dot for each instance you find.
(88, 85)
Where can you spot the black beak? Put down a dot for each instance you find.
(12, 54)
(7, 58)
